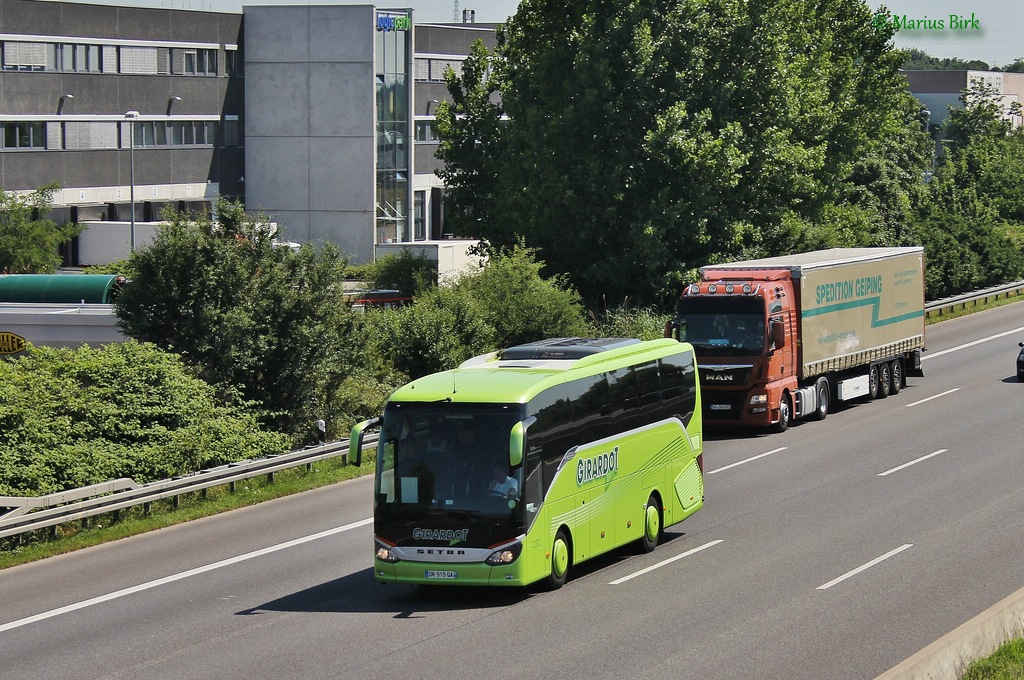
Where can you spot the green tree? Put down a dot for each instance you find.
(507, 303)
(251, 315)
(981, 116)
(28, 241)
(919, 60)
(650, 137)
(405, 272)
(971, 225)
(73, 417)
(519, 304)
(1016, 66)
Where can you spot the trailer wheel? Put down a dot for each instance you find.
(897, 377)
(884, 380)
(873, 387)
(823, 393)
(784, 415)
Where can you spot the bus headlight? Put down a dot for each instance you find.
(385, 553)
(506, 555)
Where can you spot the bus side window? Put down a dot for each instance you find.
(648, 383)
(386, 492)
(678, 378)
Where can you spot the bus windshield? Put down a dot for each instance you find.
(442, 457)
(723, 326)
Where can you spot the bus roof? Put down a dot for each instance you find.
(517, 376)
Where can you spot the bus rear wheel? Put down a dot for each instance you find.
(652, 525)
(560, 561)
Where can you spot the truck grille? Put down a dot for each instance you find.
(718, 375)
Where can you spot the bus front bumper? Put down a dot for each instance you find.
(448, 573)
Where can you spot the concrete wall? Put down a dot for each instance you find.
(61, 325)
(452, 256)
(310, 122)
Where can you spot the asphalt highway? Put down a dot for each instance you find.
(832, 550)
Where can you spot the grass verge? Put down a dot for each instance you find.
(1006, 663)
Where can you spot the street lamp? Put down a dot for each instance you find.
(130, 116)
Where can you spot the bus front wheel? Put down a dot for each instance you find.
(652, 525)
(560, 561)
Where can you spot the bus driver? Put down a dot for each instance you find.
(501, 484)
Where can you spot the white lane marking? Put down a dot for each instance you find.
(783, 448)
(177, 577)
(913, 462)
(663, 563)
(971, 344)
(865, 566)
(934, 396)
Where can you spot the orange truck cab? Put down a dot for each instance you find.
(779, 339)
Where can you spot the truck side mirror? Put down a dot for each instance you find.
(778, 333)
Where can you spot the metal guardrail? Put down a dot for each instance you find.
(973, 299)
(27, 514)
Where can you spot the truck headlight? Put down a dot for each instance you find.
(759, 399)
(506, 555)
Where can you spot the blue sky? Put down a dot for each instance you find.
(998, 38)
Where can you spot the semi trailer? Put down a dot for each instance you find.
(782, 338)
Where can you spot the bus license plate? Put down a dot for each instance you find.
(720, 407)
(447, 575)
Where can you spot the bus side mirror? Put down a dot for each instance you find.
(355, 442)
(778, 334)
(515, 444)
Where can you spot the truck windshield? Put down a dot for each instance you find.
(723, 326)
(442, 457)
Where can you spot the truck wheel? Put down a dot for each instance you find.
(873, 388)
(897, 377)
(823, 393)
(784, 415)
(884, 380)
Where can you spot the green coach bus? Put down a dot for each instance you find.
(521, 463)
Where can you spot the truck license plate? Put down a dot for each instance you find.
(720, 407)
(447, 575)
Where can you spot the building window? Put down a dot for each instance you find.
(432, 69)
(234, 63)
(419, 221)
(76, 58)
(231, 136)
(24, 135)
(24, 56)
(200, 62)
(425, 132)
(150, 133)
(90, 135)
(138, 60)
